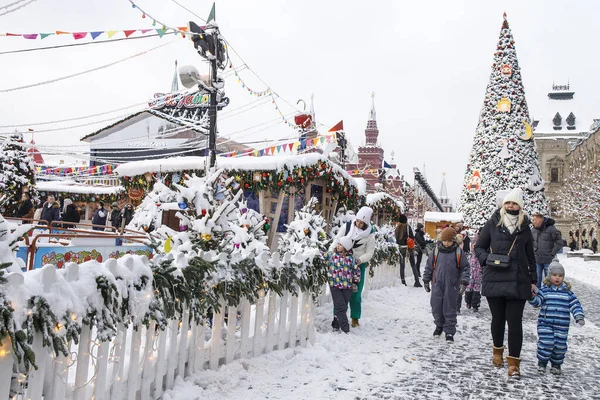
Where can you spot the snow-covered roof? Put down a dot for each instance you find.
(374, 198)
(246, 163)
(76, 187)
(433, 216)
(564, 106)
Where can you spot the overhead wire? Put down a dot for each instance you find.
(60, 46)
(85, 72)
(11, 7)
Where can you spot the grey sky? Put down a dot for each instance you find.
(427, 61)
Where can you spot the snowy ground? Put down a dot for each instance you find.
(393, 356)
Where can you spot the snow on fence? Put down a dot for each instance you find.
(143, 363)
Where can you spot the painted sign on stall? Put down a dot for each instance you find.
(61, 255)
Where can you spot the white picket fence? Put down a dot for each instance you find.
(143, 363)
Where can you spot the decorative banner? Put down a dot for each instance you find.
(192, 106)
(289, 147)
(338, 127)
(93, 34)
(474, 183)
(528, 132)
(106, 169)
(504, 105)
(506, 70)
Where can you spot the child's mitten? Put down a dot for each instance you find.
(427, 287)
(580, 322)
(354, 288)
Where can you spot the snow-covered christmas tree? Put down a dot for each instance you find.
(16, 174)
(302, 248)
(503, 154)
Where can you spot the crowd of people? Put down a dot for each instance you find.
(510, 261)
(69, 215)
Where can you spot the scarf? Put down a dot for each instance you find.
(356, 234)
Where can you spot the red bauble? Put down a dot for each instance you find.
(279, 183)
(264, 174)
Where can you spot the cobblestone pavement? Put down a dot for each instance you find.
(463, 370)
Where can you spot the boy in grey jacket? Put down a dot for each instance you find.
(448, 271)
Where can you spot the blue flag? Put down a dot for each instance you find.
(386, 165)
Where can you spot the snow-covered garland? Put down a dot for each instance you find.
(297, 178)
(147, 181)
(85, 197)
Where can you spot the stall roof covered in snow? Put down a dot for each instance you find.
(265, 163)
(432, 216)
(76, 187)
(374, 198)
(361, 183)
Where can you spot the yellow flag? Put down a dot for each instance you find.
(112, 33)
(168, 244)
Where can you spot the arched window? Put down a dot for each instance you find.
(557, 120)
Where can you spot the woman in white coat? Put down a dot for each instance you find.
(362, 234)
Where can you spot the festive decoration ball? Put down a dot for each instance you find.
(203, 212)
(266, 227)
(183, 228)
(182, 205)
(206, 236)
(306, 231)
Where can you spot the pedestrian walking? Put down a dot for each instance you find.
(344, 276)
(70, 214)
(405, 238)
(362, 235)
(557, 303)
(115, 215)
(448, 271)
(595, 245)
(505, 250)
(473, 291)
(547, 242)
(51, 210)
(420, 246)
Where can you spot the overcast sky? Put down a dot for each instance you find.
(427, 61)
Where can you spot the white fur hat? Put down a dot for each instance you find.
(364, 215)
(346, 242)
(516, 196)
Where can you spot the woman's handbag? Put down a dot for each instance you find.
(499, 261)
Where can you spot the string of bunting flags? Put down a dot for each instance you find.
(106, 169)
(282, 148)
(91, 34)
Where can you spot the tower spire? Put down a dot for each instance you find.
(312, 108)
(372, 113)
(175, 83)
(444, 189)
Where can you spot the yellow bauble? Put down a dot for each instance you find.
(206, 236)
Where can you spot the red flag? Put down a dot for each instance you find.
(338, 127)
(129, 33)
(79, 35)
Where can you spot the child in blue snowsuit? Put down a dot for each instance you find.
(557, 302)
(448, 271)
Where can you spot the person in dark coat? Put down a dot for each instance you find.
(25, 209)
(126, 216)
(51, 210)
(70, 214)
(467, 243)
(547, 242)
(595, 245)
(507, 290)
(402, 233)
(420, 245)
(115, 216)
(100, 217)
(448, 271)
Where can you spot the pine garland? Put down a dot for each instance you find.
(105, 319)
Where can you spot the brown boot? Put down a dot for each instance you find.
(514, 364)
(498, 361)
(355, 322)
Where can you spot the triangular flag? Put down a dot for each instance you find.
(96, 34)
(255, 153)
(145, 30)
(262, 153)
(279, 149)
(273, 150)
(322, 140)
(45, 35)
(338, 127)
(13, 34)
(79, 35)
(211, 16)
(129, 32)
(62, 33)
(315, 141)
(30, 36)
(160, 32)
(291, 146)
(266, 151)
(112, 33)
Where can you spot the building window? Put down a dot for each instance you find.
(553, 175)
(571, 121)
(557, 120)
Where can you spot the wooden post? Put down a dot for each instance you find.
(172, 354)
(100, 389)
(276, 219)
(293, 322)
(245, 344)
(215, 342)
(304, 318)
(270, 342)
(283, 311)
(161, 363)
(199, 357)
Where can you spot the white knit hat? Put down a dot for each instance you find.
(516, 196)
(364, 215)
(346, 242)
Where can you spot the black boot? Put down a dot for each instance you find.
(438, 331)
(404, 282)
(417, 283)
